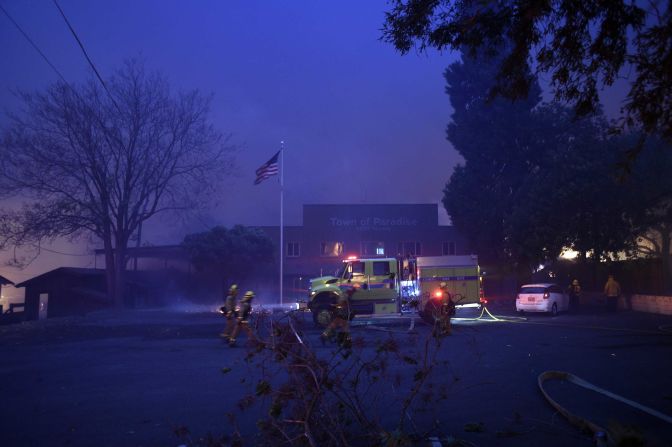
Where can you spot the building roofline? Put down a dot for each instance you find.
(5, 281)
(79, 271)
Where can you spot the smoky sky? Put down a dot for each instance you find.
(361, 123)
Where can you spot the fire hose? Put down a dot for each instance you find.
(484, 311)
(600, 434)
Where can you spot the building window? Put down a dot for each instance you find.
(409, 248)
(373, 249)
(381, 268)
(448, 248)
(293, 249)
(331, 248)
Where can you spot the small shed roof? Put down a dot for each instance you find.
(4, 281)
(72, 271)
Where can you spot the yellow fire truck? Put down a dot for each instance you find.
(381, 286)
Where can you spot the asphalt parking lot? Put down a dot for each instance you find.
(137, 378)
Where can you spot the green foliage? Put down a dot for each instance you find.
(625, 435)
(649, 209)
(263, 388)
(232, 250)
(494, 138)
(395, 438)
(320, 397)
(571, 197)
(583, 45)
(474, 427)
(535, 179)
(651, 200)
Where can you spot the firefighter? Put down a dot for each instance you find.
(341, 321)
(446, 310)
(242, 320)
(229, 311)
(612, 290)
(574, 294)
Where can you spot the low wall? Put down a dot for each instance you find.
(651, 303)
(12, 318)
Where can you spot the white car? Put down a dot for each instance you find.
(542, 297)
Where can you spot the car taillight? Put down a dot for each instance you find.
(546, 295)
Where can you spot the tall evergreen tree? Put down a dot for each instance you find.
(534, 180)
(571, 197)
(493, 138)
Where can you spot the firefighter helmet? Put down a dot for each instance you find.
(248, 295)
(443, 285)
(575, 282)
(233, 288)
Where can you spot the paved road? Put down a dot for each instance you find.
(132, 379)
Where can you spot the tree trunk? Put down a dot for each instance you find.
(665, 258)
(109, 267)
(119, 270)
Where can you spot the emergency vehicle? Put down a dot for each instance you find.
(389, 286)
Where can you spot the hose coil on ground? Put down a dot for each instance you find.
(600, 434)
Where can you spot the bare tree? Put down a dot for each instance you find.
(87, 160)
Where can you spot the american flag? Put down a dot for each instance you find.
(268, 169)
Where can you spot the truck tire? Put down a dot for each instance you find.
(323, 315)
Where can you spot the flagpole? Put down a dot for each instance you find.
(282, 242)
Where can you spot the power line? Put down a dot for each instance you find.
(60, 75)
(86, 55)
(33, 44)
(41, 248)
(46, 59)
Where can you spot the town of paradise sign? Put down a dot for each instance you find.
(373, 223)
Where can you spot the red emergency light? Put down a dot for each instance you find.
(438, 294)
(352, 258)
